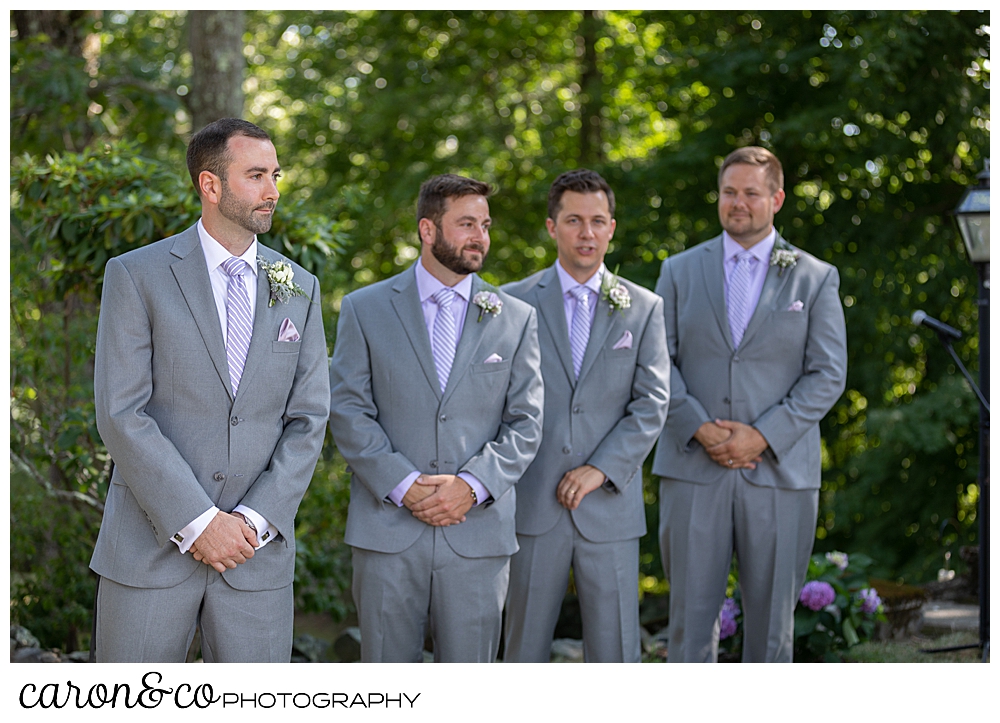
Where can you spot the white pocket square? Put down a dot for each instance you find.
(625, 342)
(288, 332)
(795, 306)
(493, 359)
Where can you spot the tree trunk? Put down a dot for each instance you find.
(215, 39)
(63, 27)
(591, 90)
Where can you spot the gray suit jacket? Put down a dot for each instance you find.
(609, 418)
(389, 417)
(787, 373)
(179, 440)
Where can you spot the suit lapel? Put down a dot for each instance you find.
(603, 322)
(406, 302)
(773, 284)
(191, 273)
(472, 336)
(552, 311)
(715, 285)
(260, 339)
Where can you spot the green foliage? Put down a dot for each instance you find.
(820, 634)
(323, 562)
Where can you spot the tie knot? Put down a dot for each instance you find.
(444, 296)
(582, 294)
(745, 257)
(234, 266)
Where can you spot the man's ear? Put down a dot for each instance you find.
(426, 229)
(209, 187)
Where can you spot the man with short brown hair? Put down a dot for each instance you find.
(756, 334)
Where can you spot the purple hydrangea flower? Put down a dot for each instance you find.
(727, 618)
(817, 594)
(870, 600)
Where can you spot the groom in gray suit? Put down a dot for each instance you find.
(211, 391)
(436, 404)
(607, 381)
(756, 333)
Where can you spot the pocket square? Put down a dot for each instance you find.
(625, 342)
(288, 332)
(795, 306)
(493, 359)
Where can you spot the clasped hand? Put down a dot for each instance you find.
(228, 541)
(577, 484)
(732, 445)
(439, 500)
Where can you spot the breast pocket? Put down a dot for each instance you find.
(490, 380)
(286, 347)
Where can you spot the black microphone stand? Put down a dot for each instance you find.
(984, 462)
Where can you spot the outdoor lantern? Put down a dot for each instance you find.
(973, 217)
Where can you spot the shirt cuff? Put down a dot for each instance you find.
(265, 532)
(186, 537)
(400, 490)
(482, 494)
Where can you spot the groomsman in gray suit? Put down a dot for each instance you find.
(437, 407)
(757, 338)
(210, 384)
(607, 382)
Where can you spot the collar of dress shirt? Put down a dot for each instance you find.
(216, 253)
(427, 284)
(568, 283)
(761, 250)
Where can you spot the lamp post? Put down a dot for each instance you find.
(973, 217)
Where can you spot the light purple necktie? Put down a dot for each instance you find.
(445, 335)
(739, 297)
(239, 323)
(579, 334)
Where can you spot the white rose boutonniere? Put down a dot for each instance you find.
(487, 301)
(783, 256)
(614, 293)
(279, 279)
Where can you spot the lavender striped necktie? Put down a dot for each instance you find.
(239, 323)
(445, 335)
(739, 297)
(579, 334)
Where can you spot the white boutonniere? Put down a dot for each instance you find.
(783, 256)
(614, 293)
(279, 279)
(488, 301)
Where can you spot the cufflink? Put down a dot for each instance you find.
(475, 500)
(178, 537)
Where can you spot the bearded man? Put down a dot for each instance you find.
(436, 404)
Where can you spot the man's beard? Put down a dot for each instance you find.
(243, 213)
(452, 259)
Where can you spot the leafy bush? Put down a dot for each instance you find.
(837, 609)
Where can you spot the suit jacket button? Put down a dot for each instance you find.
(443, 417)
(234, 421)
(218, 477)
(434, 465)
(567, 449)
(577, 410)
(736, 358)
(725, 400)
